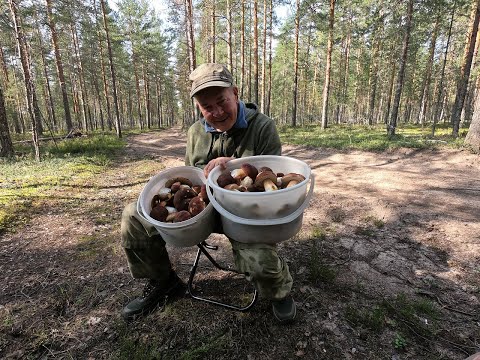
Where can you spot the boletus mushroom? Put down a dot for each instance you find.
(196, 205)
(182, 198)
(224, 179)
(159, 213)
(182, 216)
(291, 179)
(267, 180)
(244, 171)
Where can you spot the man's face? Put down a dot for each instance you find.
(219, 106)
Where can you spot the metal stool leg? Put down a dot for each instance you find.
(202, 248)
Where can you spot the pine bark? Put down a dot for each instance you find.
(264, 58)
(295, 65)
(473, 136)
(112, 71)
(401, 71)
(326, 87)
(6, 146)
(242, 51)
(425, 91)
(438, 103)
(255, 51)
(32, 102)
(462, 83)
(59, 64)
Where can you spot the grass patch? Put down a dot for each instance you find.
(91, 245)
(408, 317)
(68, 164)
(371, 138)
(318, 272)
(207, 348)
(378, 223)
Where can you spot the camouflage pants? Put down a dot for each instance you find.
(148, 258)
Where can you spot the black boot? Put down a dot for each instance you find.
(153, 294)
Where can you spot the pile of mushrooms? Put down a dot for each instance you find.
(250, 179)
(178, 200)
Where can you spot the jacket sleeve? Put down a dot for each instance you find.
(269, 140)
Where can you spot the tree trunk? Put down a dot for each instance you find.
(438, 102)
(147, 97)
(401, 71)
(473, 135)
(372, 79)
(255, 50)
(6, 146)
(32, 102)
(242, 51)
(229, 35)
(462, 84)
(326, 87)
(112, 71)
(83, 92)
(59, 64)
(264, 58)
(102, 67)
(344, 82)
(213, 33)
(269, 93)
(295, 65)
(190, 36)
(428, 73)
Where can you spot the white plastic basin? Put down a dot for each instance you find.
(262, 205)
(182, 234)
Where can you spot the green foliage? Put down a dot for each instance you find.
(371, 138)
(399, 342)
(373, 319)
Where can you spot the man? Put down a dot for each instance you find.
(228, 129)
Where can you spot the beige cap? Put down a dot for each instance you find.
(208, 75)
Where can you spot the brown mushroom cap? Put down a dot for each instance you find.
(203, 194)
(180, 179)
(288, 178)
(264, 177)
(182, 198)
(182, 216)
(264, 168)
(159, 213)
(244, 171)
(196, 205)
(225, 179)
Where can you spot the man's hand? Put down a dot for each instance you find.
(220, 161)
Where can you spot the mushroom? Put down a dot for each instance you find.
(159, 213)
(225, 179)
(291, 179)
(264, 168)
(244, 171)
(180, 179)
(203, 194)
(246, 181)
(196, 205)
(182, 216)
(165, 193)
(267, 180)
(182, 198)
(197, 188)
(235, 187)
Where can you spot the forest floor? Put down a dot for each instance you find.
(386, 266)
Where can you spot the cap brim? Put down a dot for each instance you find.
(210, 84)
